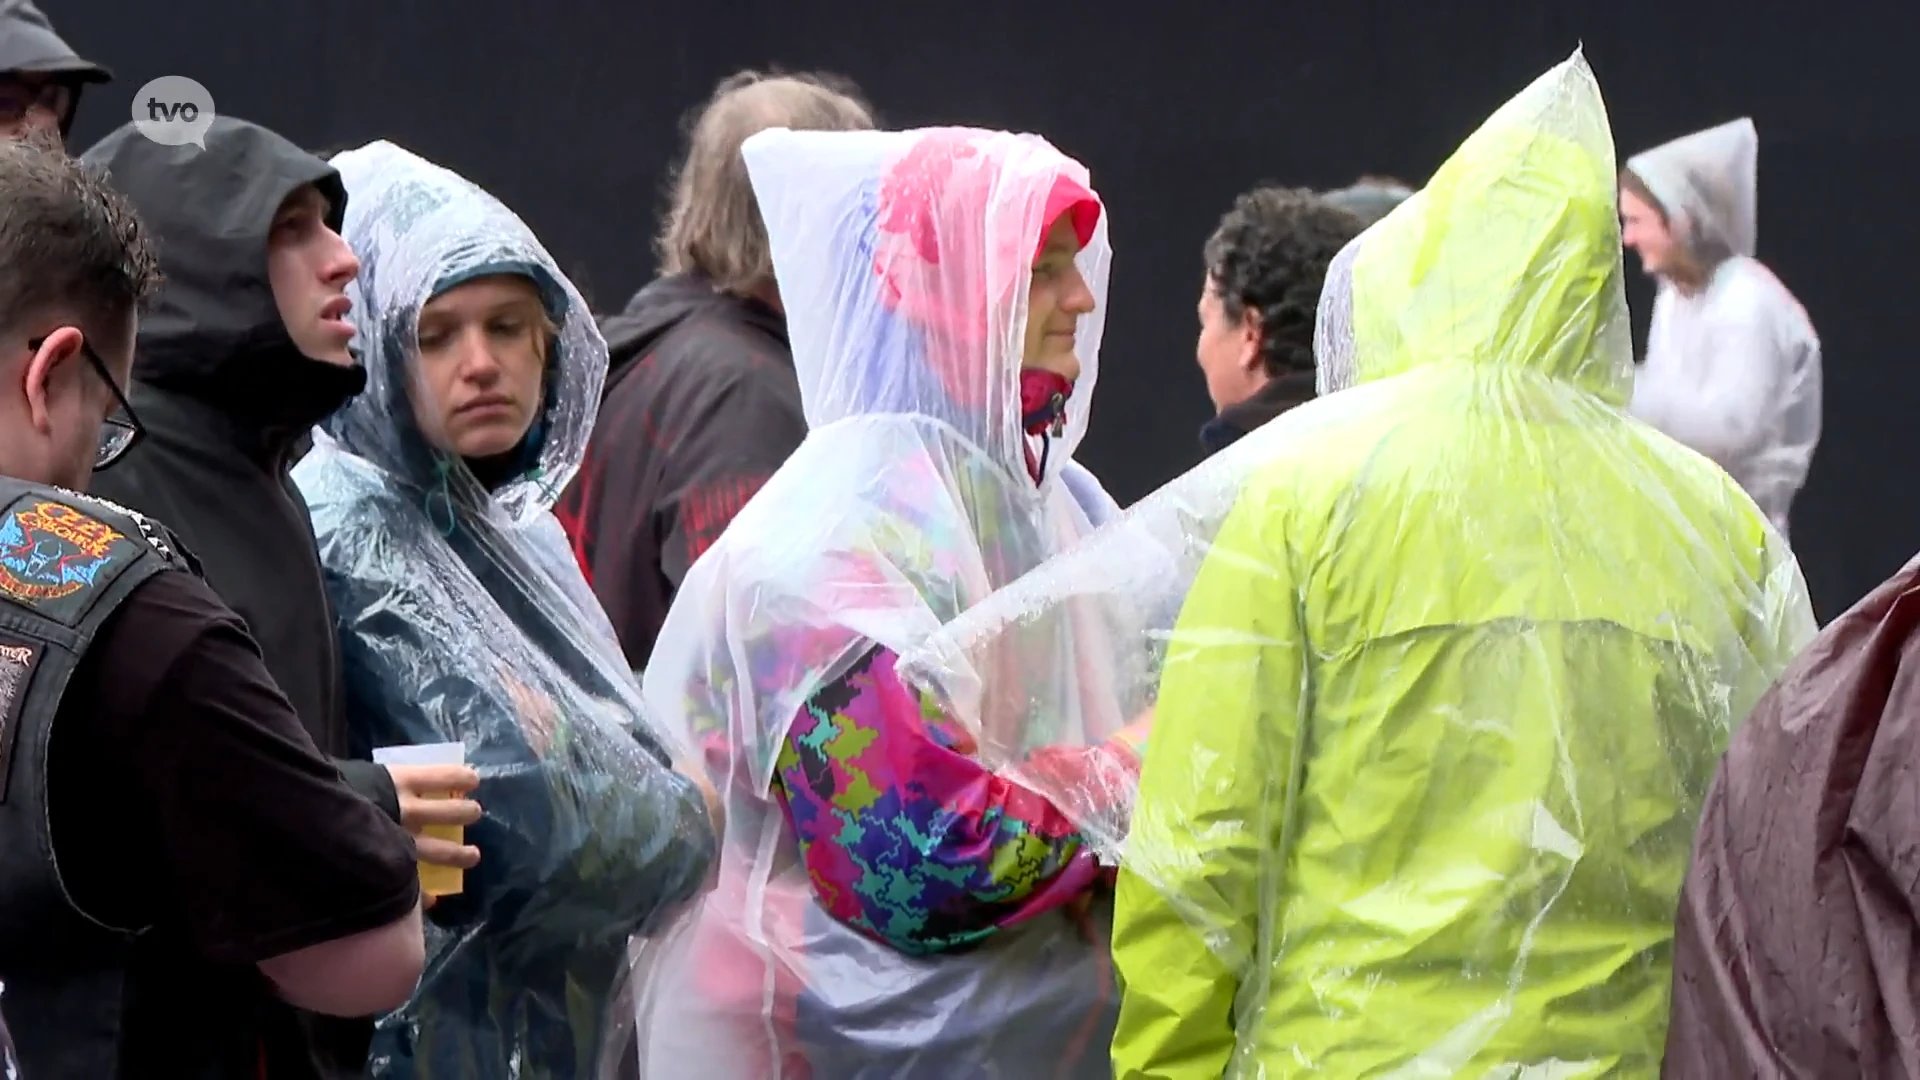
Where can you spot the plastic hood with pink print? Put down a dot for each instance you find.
(904, 261)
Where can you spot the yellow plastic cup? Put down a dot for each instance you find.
(434, 880)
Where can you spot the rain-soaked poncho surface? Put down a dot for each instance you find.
(1733, 370)
(904, 261)
(464, 617)
(9, 1067)
(1460, 646)
(1799, 927)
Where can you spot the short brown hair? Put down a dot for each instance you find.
(69, 243)
(1684, 264)
(713, 223)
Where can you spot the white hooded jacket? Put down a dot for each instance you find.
(1732, 371)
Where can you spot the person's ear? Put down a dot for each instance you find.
(1252, 334)
(44, 367)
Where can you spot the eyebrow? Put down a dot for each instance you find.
(519, 305)
(296, 209)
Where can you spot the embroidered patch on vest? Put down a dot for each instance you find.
(17, 659)
(49, 550)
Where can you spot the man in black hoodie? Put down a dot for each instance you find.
(179, 866)
(40, 76)
(244, 350)
(1265, 265)
(701, 404)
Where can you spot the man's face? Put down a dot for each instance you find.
(1643, 229)
(30, 102)
(1228, 349)
(310, 266)
(66, 400)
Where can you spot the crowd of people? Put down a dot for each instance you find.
(814, 713)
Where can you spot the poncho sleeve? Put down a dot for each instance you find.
(1741, 366)
(908, 837)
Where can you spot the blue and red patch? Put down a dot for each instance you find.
(49, 550)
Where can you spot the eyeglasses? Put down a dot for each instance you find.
(18, 97)
(119, 431)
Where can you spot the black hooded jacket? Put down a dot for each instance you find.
(1281, 393)
(226, 399)
(701, 406)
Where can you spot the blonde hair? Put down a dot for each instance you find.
(713, 223)
(546, 336)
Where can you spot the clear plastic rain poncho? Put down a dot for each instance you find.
(904, 262)
(1732, 370)
(463, 616)
(1458, 647)
(9, 1067)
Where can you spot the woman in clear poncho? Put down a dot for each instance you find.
(463, 616)
(1461, 645)
(1733, 364)
(887, 904)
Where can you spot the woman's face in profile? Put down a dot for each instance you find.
(1056, 298)
(480, 368)
(1644, 229)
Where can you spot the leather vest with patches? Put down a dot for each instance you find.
(67, 562)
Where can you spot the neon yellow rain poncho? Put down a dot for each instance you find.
(1461, 646)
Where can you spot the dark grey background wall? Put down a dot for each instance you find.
(568, 111)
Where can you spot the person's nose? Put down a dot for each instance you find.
(478, 365)
(1079, 298)
(341, 265)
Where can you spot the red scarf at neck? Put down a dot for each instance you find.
(1043, 413)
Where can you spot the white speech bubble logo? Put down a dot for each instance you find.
(173, 110)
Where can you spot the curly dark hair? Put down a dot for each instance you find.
(1270, 254)
(69, 243)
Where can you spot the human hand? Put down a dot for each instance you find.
(716, 809)
(427, 798)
